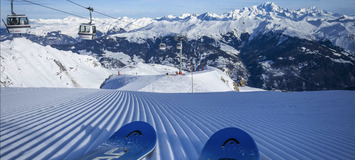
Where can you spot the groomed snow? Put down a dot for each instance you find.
(153, 78)
(50, 123)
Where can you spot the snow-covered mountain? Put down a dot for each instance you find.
(306, 23)
(269, 46)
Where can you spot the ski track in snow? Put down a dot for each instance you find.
(43, 123)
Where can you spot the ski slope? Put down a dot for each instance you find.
(64, 123)
(151, 78)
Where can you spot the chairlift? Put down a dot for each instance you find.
(179, 46)
(16, 23)
(87, 31)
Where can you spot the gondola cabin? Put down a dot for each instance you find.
(162, 46)
(179, 46)
(87, 31)
(17, 23)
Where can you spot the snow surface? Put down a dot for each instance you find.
(153, 78)
(52, 123)
(27, 64)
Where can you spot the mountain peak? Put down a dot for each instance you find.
(208, 16)
(269, 6)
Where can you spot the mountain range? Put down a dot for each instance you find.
(268, 46)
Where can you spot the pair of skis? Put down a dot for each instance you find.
(137, 139)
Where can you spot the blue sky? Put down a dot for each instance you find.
(159, 8)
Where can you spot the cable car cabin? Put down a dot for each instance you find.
(17, 23)
(162, 46)
(87, 31)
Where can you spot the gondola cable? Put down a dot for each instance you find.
(76, 14)
(93, 11)
(54, 9)
(86, 30)
(103, 14)
(121, 20)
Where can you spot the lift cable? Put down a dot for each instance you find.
(103, 14)
(54, 9)
(77, 4)
(89, 7)
(76, 14)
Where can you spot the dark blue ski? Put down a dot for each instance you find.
(229, 144)
(132, 141)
